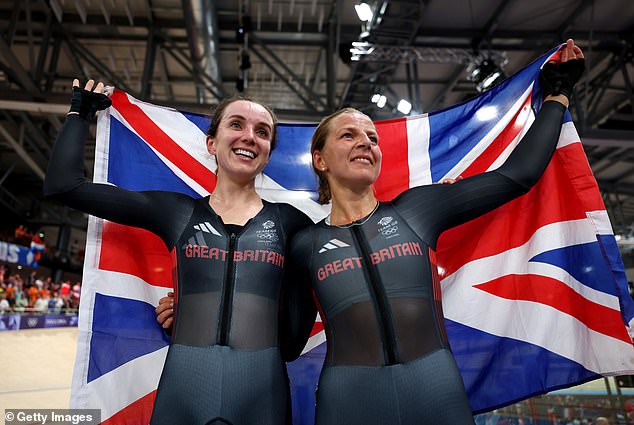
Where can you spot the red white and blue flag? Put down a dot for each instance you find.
(534, 293)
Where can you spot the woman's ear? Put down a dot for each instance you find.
(211, 147)
(318, 161)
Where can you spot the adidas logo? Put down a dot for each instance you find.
(333, 244)
(199, 238)
(207, 228)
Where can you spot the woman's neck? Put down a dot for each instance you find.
(349, 206)
(236, 203)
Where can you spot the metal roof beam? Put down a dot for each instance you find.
(17, 71)
(311, 99)
(22, 153)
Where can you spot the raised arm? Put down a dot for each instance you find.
(530, 158)
(66, 183)
(445, 206)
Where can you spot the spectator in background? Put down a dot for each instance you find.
(41, 305)
(21, 301)
(77, 290)
(65, 289)
(43, 290)
(75, 295)
(30, 280)
(56, 304)
(5, 307)
(10, 293)
(602, 421)
(33, 295)
(53, 286)
(21, 232)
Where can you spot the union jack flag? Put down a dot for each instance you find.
(534, 293)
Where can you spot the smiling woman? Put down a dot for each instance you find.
(237, 319)
(372, 266)
(356, 141)
(241, 137)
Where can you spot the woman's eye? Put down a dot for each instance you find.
(263, 133)
(234, 124)
(374, 140)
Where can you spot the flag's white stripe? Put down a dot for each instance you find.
(530, 118)
(120, 387)
(80, 393)
(102, 147)
(465, 161)
(557, 273)
(193, 141)
(314, 341)
(184, 132)
(601, 222)
(418, 150)
(541, 325)
(176, 170)
(546, 238)
(535, 322)
(317, 339)
(568, 135)
(124, 285)
(271, 191)
(516, 261)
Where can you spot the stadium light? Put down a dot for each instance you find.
(364, 11)
(486, 73)
(381, 102)
(404, 107)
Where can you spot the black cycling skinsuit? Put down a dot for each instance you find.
(388, 359)
(226, 360)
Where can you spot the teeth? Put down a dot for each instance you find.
(366, 160)
(245, 152)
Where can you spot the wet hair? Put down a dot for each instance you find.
(318, 142)
(218, 111)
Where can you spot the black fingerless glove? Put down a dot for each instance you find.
(560, 77)
(86, 103)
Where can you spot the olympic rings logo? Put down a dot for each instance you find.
(390, 231)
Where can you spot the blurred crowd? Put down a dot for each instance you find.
(36, 294)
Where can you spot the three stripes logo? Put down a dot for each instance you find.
(199, 238)
(333, 244)
(207, 228)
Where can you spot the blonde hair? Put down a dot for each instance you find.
(317, 143)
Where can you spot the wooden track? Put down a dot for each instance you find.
(36, 368)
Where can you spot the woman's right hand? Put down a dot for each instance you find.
(165, 311)
(99, 88)
(87, 101)
(557, 78)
